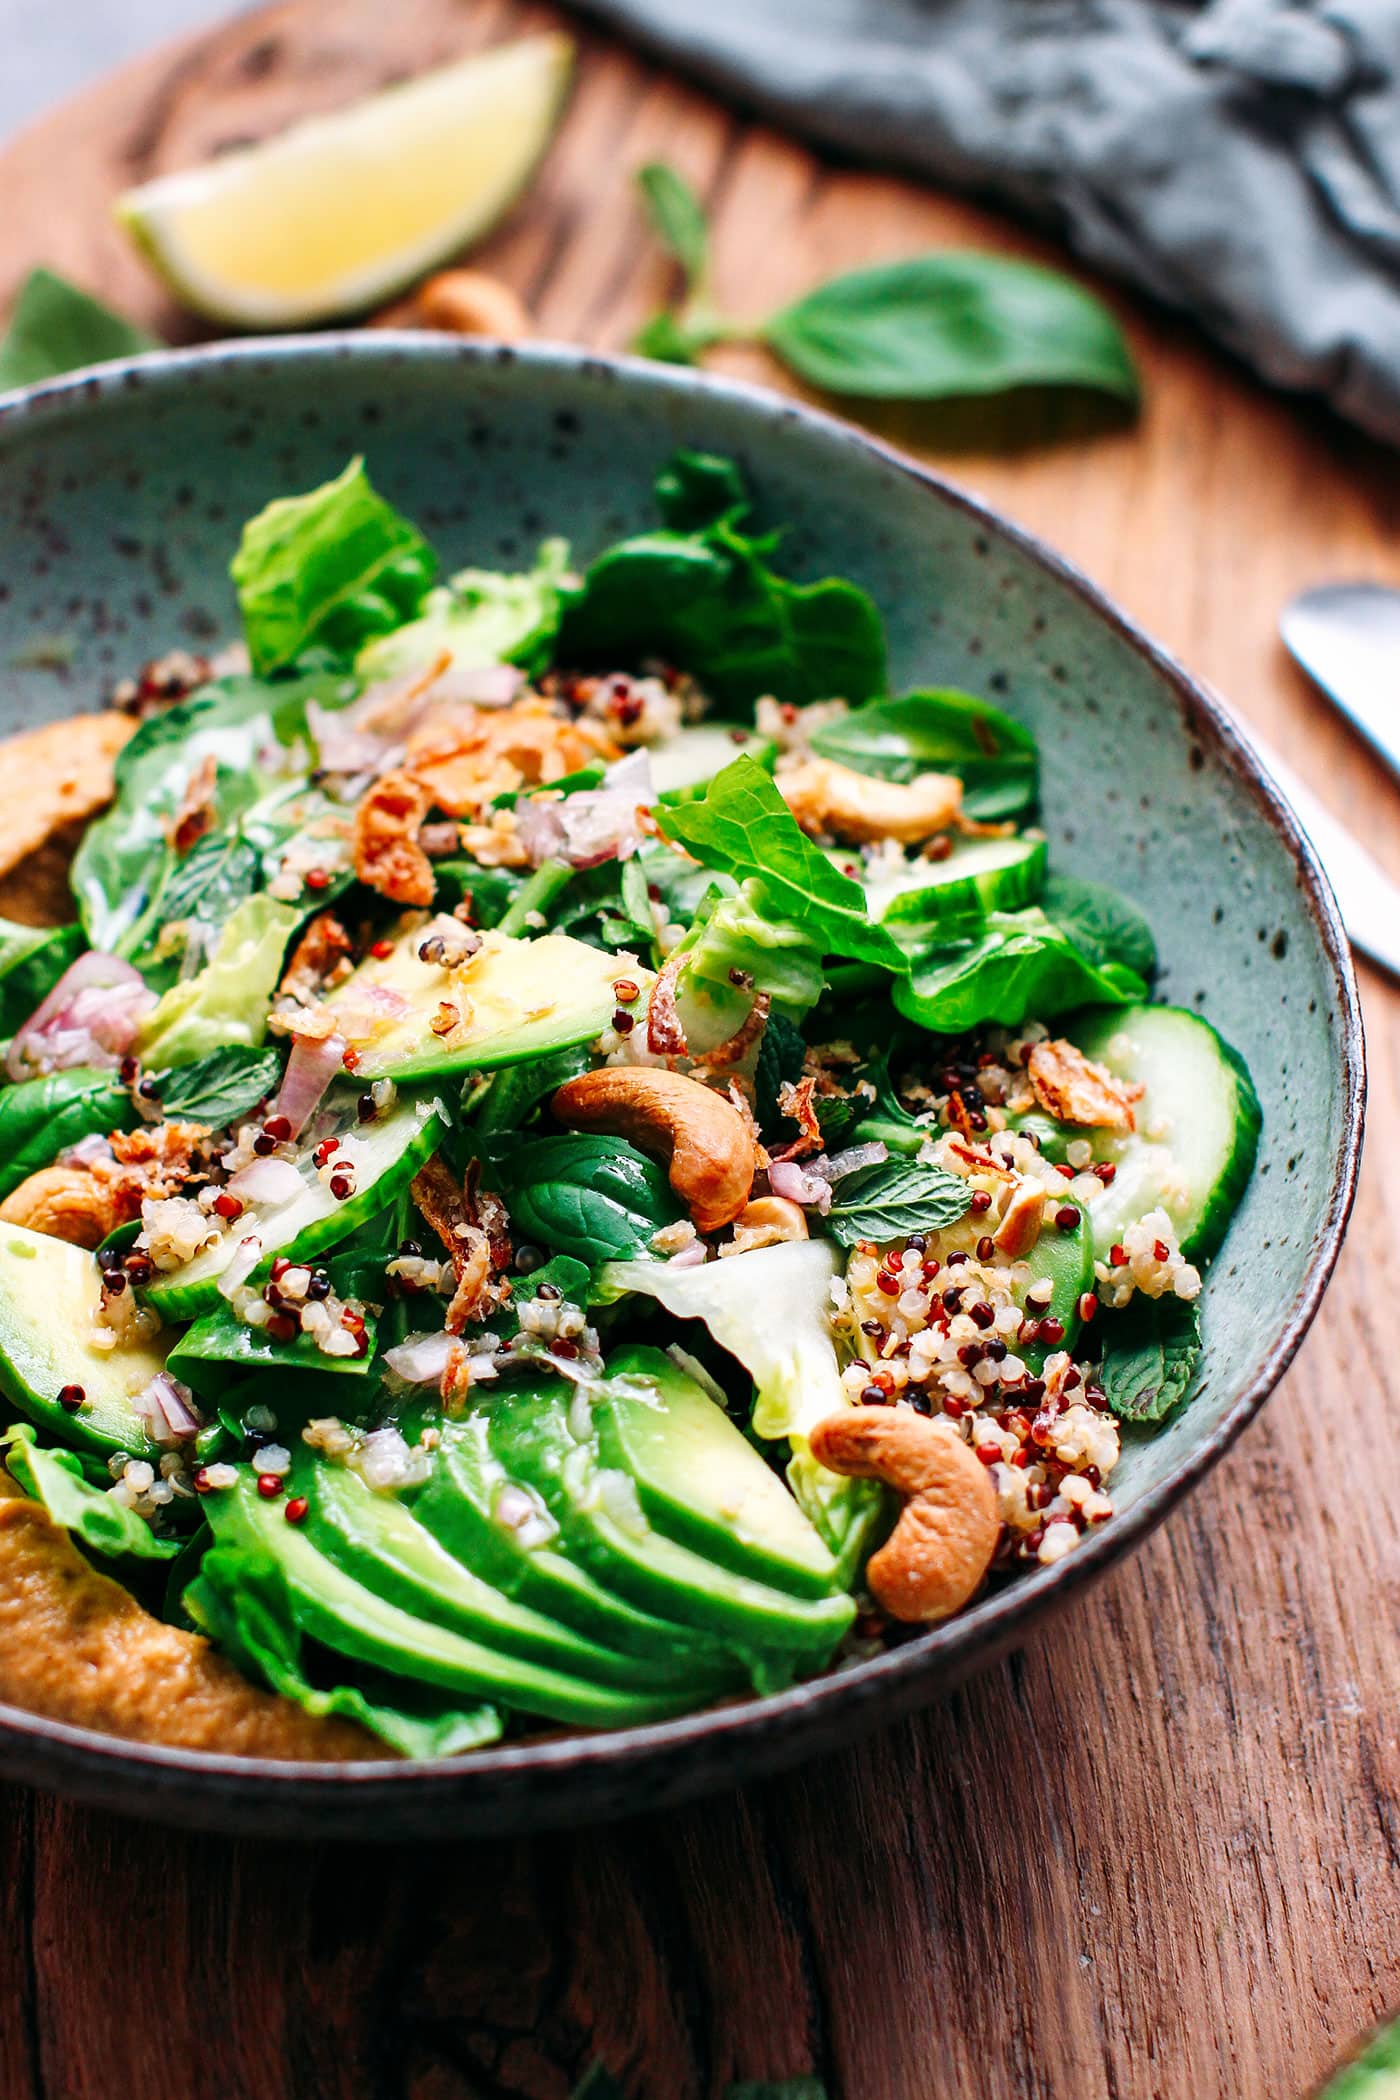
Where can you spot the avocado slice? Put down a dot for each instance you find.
(353, 1620)
(375, 1538)
(603, 1526)
(50, 1294)
(513, 999)
(700, 1480)
(1066, 1261)
(463, 1505)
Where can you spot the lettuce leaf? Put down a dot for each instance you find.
(227, 1002)
(736, 934)
(480, 617)
(332, 567)
(56, 1479)
(1007, 968)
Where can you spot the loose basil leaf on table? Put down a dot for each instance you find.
(1011, 967)
(883, 1202)
(940, 731)
(55, 327)
(40, 1118)
(596, 1198)
(742, 825)
(1104, 924)
(1150, 1353)
(217, 1090)
(956, 324)
(677, 217)
(32, 959)
(332, 567)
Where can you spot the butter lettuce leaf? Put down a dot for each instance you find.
(481, 617)
(95, 1520)
(227, 1002)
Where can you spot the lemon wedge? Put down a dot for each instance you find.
(341, 212)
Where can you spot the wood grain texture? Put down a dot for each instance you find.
(1157, 1856)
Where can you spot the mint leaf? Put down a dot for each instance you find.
(1150, 1353)
(898, 1196)
(742, 825)
(220, 1088)
(961, 323)
(334, 567)
(55, 327)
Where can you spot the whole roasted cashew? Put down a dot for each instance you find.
(836, 802)
(702, 1139)
(942, 1545)
(462, 302)
(67, 1203)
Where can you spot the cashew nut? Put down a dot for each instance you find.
(462, 302)
(942, 1545)
(1020, 1226)
(766, 1222)
(700, 1136)
(67, 1203)
(836, 802)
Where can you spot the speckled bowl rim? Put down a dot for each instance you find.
(591, 1773)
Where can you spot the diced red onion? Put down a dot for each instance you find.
(422, 1358)
(267, 1182)
(89, 1018)
(167, 1408)
(786, 1178)
(541, 829)
(850, 1161)
(310, 1069)
(690, 1256)
(342, 746)
(246, 1256)
(88, 1149)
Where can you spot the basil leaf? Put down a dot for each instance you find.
(1106, 926)
(55, 1479)
(32, 959)
(595, 1198)
(677, 218)
(219, 1089)
(1150, 1353)
(941, 731)
(334, 567)
(1015, 966)
(55, 327)
(959, 323)
(708, 600)
(742, 825)
(40, 1118)
(883, 1202)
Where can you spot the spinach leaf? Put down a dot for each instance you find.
(781, 1056)
(56, 328)
(742, 825)
(695, 489)
(1104, 924)
(897, 1196)
(481, 616)
(1014, 966)
(32, 959)
(221, 1088)
(490, 891)
(886, 1120)
(40, 1118)
(708, 600)
(124, 860)
(1150, 1353)
(961, 323)
(940, 731)
(596, 1198)
(333, 567)
(55, 1478)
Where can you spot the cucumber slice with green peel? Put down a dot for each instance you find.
(483, 1517)
(699, 1478)
(513, 999)
(375, 1538)
(386, 1155)
(687, 762)
(50, 1293)
(1198, 1125)
(979, 875)
(603, 1526)
(348, 1617)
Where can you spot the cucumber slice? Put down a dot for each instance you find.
(686, 763)
(700, 1480)
(979, 875)
(350, 1618)
(514, 999)
(387, 1154)
(1197, 1124)
(49, 1299)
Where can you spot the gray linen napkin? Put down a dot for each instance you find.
(1239, 160)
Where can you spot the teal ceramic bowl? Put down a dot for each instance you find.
(121, 495)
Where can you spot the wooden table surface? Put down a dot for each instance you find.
(1157, 1854)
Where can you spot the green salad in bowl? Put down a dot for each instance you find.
(579, 1162)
